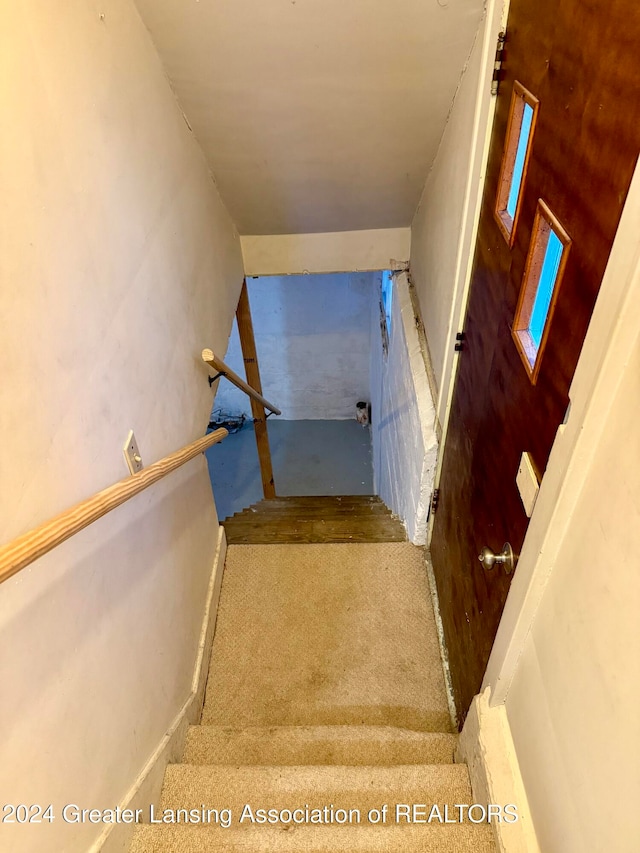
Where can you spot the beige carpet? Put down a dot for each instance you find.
(326, 635)
(291, 745)
(454, 838)
(325, 689)
(361, 788)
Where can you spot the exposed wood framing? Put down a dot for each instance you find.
(250, 356)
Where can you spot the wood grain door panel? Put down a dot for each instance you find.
(580, 59)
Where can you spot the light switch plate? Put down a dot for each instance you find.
(132, 454)
(527, 482)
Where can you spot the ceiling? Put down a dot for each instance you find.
(315, 115)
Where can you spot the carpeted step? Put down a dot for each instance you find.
(326, 635)
(188, 786)
(426, 838)
(356, 790)
(311, 745)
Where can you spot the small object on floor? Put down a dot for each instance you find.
(362, 414)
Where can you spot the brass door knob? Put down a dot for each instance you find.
(505, 558)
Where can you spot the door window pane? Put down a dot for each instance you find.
(542, 276)
(517, 150)
(518, 170)
(548, 277)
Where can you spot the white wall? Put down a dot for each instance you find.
(119, 263)
(573, 703)
(336, 251)
(445, 224)
(313, 338)
(436, 226)
(403, 417)
(573, 693)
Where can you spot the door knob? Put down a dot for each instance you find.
(506, 558)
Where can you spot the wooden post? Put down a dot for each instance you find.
(248, 344)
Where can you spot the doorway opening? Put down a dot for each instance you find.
(313, 336)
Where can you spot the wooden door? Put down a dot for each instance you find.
(580, 60)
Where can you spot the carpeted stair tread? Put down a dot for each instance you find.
(427, 838)
(328, 518)
(223, 786)
(331, 634)
(311, 745)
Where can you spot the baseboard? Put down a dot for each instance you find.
(486, 746)
(444, 656)
(116, 838)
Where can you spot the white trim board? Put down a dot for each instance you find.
(336, 251)
(116, 838)
(487, 748)
(444, 654)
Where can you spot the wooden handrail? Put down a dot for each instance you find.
(210, 358)
(28, 547)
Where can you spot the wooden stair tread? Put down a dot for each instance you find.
(281, 537)
(371, 511)
(310, 518)
(322, 500)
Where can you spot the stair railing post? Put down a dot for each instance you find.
(250, 356)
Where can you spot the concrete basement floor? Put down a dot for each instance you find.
(308, 457)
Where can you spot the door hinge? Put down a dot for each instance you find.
(497, 65)
(459, 345)
(435, 500)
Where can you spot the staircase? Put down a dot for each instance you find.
(331, 518)
(325, 695)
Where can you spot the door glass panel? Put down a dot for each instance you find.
(542, 276)
(515, 159)
(518, 170)
(548, 277)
